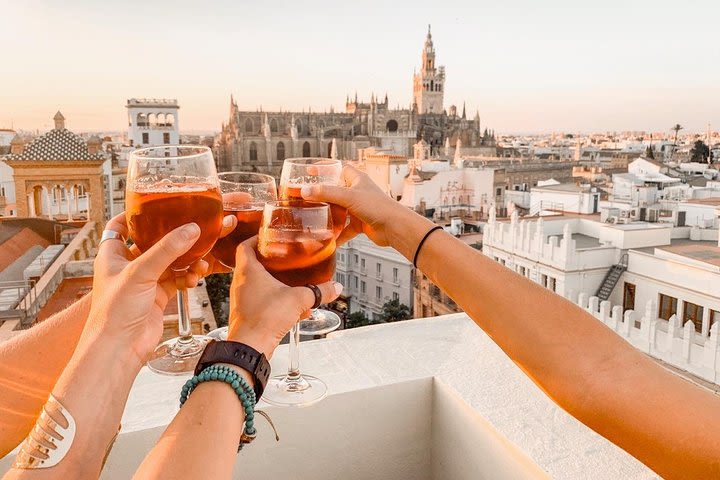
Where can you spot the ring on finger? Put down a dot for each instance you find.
(318, 294)
(110, 235)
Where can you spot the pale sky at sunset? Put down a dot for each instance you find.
(528, 66)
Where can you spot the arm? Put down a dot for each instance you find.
(202, 440)
(580, 363)
(123, 327)
(30, 365)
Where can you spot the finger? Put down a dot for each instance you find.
(353, 229)
(245, 258)
(306, 298)
(350, 174)
(191, 279)
(151, 264)
(228, 225)
(327, 193)
(200, 268)
(115, 246)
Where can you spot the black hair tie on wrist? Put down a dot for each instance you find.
(417, 252)
(318, 294)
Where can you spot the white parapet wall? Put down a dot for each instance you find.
(667, 340)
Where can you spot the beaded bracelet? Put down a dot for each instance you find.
(245, 393)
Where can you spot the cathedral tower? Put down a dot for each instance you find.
(429, 84)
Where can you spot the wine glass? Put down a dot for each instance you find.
(244, 196)
(296, 245)
(167, 187)
(296, 173)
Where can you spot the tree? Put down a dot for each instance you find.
(394, 311)
(676, 128)
(218, 288)
(700, 152)
(357, 319)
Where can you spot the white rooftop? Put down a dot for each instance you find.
(421, 399)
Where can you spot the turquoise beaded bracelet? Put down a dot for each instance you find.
(245, 393)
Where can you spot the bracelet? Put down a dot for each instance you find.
(50, 440)
(244, 391)
(417, 252)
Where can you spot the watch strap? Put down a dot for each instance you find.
(240, 355)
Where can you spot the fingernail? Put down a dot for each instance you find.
(306, 191)
(338, 288)
(190, 231)
(228, 221)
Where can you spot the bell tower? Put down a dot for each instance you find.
(429, 83)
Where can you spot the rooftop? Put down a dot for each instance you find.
(447, 401)
(707, 252)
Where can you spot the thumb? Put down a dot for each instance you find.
(152, 264)
(321, 192)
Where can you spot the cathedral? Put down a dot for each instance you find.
(259, 141)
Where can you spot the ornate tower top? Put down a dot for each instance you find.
(428, 54)
(59, 121)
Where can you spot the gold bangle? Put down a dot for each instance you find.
(49, 441)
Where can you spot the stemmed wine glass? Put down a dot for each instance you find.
(296, 173)
(168, 187)
(244, 196)
(296, 245)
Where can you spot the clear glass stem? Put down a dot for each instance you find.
(294, 346)
(184, 325)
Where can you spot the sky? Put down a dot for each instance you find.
(526, 66)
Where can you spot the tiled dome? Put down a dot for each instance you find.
(57, 144)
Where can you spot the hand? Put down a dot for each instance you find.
(263, 309)
(131, 290)
(370, 209)
(214, 265)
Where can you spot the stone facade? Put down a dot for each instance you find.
(260, 141)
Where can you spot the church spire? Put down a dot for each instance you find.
(463, 114)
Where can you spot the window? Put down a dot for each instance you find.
(551, 284)
(145, 138)
(363, 287)
(273, 125)
(356, 258)
(396, 296)
(356, 283)
(667, 306)
(378, 269)
(306, 149)
(714, 317)
(281, 151)
(253, 151)
(249, 128)
(521, 271)
(694, 313)
(498, 192)
(362, 264)
(395, 275)
(342, 257)
(341, 278)
(378, 293)
(166, 138)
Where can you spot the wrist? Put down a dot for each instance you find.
(405, 230)
(107, 348)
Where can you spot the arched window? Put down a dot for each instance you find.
(431, 86)
(142, 120)
(169, 119)
(249, 128)
(298, 125)
(253, 151)
(273, 125)
(280, 151)
(152, 120)
(306, 149)
(160, 119)
(329, 149)
(391, 126)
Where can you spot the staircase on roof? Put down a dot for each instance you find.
(611, 279)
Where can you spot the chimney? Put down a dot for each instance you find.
(93, 145)
(59, 121)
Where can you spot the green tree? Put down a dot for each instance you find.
(699, 152)
(218, 288)
(676, 128)
(357, 319)
(394, 311)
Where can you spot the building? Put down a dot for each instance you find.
(260, 140)
(60, 176)
(372, 276)
(152, 121)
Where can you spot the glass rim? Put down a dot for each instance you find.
(143, 152)
(297, 205)
(305, 160)
(268, 179)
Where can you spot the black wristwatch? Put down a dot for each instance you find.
(240, 355)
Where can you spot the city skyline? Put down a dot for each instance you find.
(525, 68)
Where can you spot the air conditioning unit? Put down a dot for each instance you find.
(653, 215)
(624, 221)
(612, 220)
(634, 213)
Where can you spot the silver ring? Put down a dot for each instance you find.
(110, 235)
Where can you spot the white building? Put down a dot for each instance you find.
(153, 121)
(566, 197)
(373, 275)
